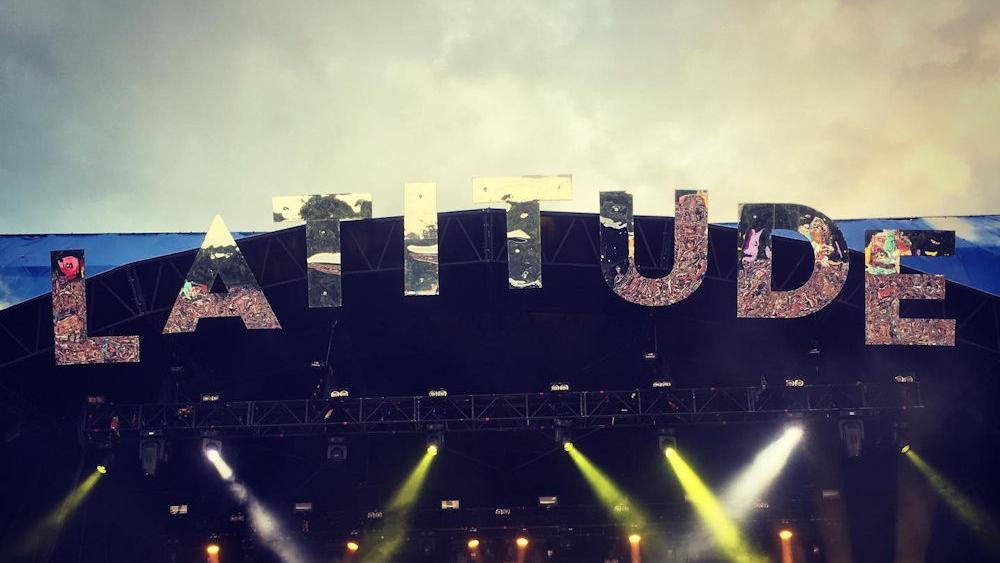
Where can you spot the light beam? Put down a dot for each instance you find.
(726, 533)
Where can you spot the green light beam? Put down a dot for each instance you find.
(397, 513)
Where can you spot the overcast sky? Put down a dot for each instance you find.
(132, 116)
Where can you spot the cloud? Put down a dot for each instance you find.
(156, 116)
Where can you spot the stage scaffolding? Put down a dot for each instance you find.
(108, 422)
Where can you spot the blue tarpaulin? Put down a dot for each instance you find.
(24, 259)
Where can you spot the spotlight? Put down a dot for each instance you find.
(211, 444)
(634, 539)
(558, 386)
(785, 534)
(353, 546)
(435, 438)
(521, 541)
(212, 549)
(473, 544)
(102, 469)
(795, 383)
(905, 449)
(568, 446)
(667, 439)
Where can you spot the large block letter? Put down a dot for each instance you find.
(219, 256)
(69, 318)
(690, 249)
(524, 236)
(885, 287)
(420, 240)
(754, 296)
(323, 214)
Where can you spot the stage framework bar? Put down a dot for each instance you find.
(104, 423)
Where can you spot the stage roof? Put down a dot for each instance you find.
(24, 259)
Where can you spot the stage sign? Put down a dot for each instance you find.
(885, 287)
(69, 318)
(754, 296)
(690, 249)
(322, 214)
(220, 257)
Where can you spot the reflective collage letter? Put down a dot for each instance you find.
(690, 249)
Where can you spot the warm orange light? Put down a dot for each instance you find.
(353, 546)
(212, 549)
(785, 535)
(473, 544)
(522, 542)
(634, 539)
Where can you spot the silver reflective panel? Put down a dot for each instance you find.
(323, 214)
(69, 318)
(420, 240)
(522, 195)
(219, 256)
(618, 249)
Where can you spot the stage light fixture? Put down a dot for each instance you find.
(211, 444)
(907, 378)
(437, 392)
(634, 539)
(567, 445)
(151, 453)
(213, 549)
(210, 397)
(339, 393)
(473, 544)
(102, 469)
(785, 534)
(667, 439)
(450, 504)
(522, 542)
(353, 546)
(336, 449)
(852, 432)
(435, 438)
(905, 449)
(548, 501)
(795, 383)
(558, 386)
(662, 383)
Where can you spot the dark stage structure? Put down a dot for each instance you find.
(325, 418)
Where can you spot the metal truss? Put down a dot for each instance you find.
(103, 423)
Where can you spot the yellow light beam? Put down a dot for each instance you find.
(726, 533)
(48, 528)
(610, 495)
(967, 510)
(397, 512)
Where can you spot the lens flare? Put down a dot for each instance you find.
(725, 532)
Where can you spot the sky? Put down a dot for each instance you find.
(154, 116)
